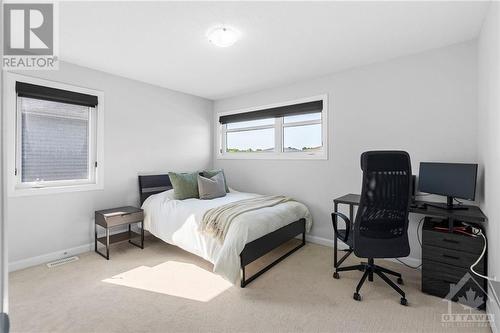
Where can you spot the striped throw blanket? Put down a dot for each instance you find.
(216, 221)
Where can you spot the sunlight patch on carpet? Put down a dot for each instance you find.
(175, 279)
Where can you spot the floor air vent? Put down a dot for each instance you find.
(62, 261)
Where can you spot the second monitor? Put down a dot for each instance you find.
(453, 180)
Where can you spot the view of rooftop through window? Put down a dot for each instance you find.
(251, 141)
(55, 141)
(302, 138)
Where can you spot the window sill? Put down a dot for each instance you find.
(30, 191)
(272, 156)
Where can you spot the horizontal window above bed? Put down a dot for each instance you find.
(274, 112)
(290, 130)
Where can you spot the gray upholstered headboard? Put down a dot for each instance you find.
(153, 184)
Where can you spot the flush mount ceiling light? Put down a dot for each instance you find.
(223, 36)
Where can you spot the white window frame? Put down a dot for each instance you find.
(12, 142)
(221, 131)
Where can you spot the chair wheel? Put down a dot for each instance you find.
(356, 296)
(403, 301)
(336, 275)
(400, 281)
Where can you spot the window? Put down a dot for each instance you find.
(302, 133)
(250, 136)
(57, 142)
(294, 130)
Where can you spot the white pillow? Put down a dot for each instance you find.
(170, 194)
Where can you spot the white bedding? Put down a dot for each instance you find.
(176, 222)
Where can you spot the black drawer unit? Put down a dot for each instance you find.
(446, 260)
(455, 258)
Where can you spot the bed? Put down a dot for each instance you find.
(251, 236)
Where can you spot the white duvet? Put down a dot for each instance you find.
(176, 222)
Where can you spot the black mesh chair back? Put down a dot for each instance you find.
(381, 224)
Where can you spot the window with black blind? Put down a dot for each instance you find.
(56, 137)
(295, 130)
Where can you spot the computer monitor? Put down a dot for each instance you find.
(453, 180)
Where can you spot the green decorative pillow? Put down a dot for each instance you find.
(211, 173)
(185, 185)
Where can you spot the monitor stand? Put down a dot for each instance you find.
(448, 205)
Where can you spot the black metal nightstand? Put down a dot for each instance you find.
(114, 217)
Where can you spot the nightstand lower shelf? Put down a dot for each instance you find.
(118, 238)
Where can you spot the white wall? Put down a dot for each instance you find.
(424, 104)
(3, 245)
(489, 135)
(147, 129)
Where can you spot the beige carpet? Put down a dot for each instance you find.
(164, 289)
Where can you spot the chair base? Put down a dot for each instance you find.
(369, 268)
(337, 263)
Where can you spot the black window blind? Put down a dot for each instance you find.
(281, 111)
(55, 95)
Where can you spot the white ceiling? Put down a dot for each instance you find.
(164, 43)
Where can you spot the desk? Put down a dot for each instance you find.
(472, 214)
(442, 262)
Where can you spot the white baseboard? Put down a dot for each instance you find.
(45, 258)
(342, 246)
(323, 241)
(48, 257)
(493, 308)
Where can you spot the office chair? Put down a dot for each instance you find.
(381, 223)
(346, 236)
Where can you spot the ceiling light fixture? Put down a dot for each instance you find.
(223, 36)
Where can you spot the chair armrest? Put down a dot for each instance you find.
(347, 225)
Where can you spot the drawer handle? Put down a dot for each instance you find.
(450, 241)
(451, 257)
(125, 214)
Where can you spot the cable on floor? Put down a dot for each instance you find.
(419, 241)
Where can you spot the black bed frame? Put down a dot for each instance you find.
(153, 184)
